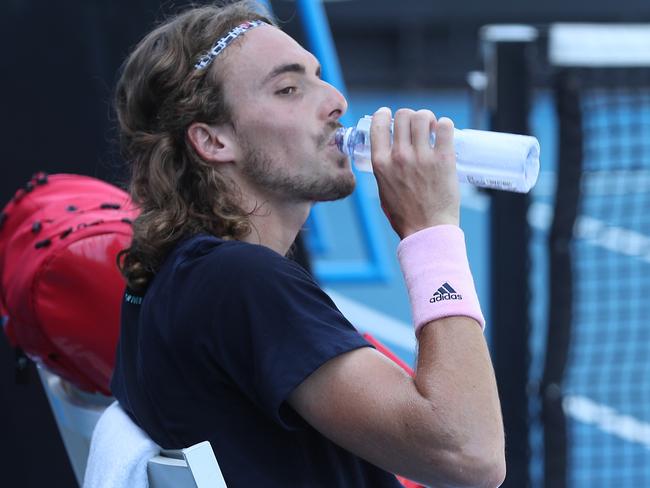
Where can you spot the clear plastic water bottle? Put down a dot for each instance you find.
(487, 159)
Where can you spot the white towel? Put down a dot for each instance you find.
(119, 451)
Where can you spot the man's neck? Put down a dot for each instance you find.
(276, 225)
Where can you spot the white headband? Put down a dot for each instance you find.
(205, 60)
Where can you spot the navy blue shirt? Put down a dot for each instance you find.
(225, 332)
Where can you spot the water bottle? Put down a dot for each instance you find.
(483, 158)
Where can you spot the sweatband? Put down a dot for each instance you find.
(438, 278)
(222, 43)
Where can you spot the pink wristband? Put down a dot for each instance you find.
(438, 278)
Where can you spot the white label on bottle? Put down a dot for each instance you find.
(490, 183)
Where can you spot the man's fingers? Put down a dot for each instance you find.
(444, 136)
(411, 136)
(380, 136)
(402, 143)
(422, 124)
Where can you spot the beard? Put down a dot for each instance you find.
(260, 170)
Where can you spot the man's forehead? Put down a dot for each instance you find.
(260, 51)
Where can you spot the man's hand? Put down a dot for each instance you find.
(417, 183)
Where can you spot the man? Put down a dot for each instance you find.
(229, 130)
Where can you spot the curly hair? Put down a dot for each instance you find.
(158, 95)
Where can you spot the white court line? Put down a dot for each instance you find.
(607, 419)
(596, 232)
(613, 238)
(366, 319)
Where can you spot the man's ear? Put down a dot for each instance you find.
(215, 144)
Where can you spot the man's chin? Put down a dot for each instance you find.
(339, 188)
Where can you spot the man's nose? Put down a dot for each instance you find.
(335, 103)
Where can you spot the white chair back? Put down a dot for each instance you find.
(193, 467)
(76, 413)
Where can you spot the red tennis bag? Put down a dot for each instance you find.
(60, 288)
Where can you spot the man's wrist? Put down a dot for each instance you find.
(440, 220)
(437, 275)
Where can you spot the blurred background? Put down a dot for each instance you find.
(562, 272)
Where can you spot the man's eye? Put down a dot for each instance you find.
(290, 90)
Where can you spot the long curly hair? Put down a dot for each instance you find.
(158, 95)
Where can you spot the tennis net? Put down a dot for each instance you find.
(596, 384)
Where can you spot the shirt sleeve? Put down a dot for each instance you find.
(273, 326)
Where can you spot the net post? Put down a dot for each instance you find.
(506, 51)
(561, 284)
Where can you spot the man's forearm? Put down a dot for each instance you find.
(455, 375)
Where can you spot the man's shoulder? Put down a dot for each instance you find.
(209, 269)
(230, 257)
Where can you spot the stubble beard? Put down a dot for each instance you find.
(261, 171)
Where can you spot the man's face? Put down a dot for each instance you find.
(285, 117)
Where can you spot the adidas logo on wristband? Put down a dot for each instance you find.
(445, 292)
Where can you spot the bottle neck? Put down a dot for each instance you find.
(342, 138)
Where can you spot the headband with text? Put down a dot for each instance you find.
(205, 60)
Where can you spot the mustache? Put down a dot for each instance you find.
(324, 139)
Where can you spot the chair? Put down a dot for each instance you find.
(76, 413)
(123, 455)
(192, 467)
